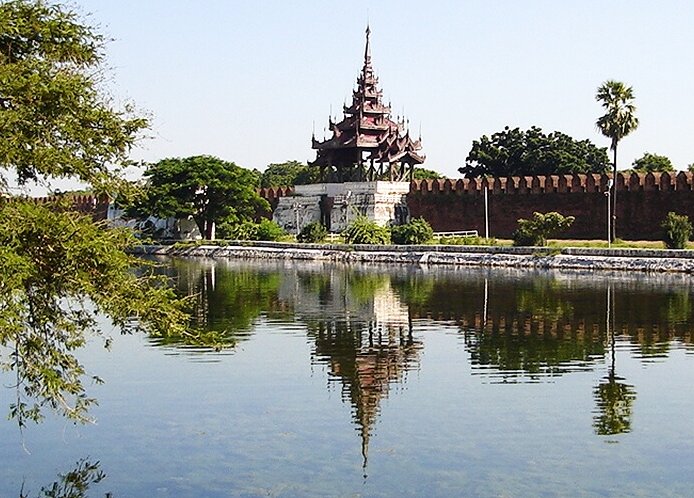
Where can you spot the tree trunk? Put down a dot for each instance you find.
(209, 230)
(614, 195)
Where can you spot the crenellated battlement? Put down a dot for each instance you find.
(579, 183)
(96, 206)
(272, 193)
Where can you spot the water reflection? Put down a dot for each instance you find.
(364, 324)
(362, 332)
(73, 484)
(225, 303)
(613, 396)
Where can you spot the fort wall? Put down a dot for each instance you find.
(643, 201)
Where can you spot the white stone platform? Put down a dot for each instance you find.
(337, 204)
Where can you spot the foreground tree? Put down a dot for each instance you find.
(652, 163)
(61, 272)
(618, 121)
(207, 188)
(514, 152)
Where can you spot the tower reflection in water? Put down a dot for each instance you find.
(516, 326)
(362, 332)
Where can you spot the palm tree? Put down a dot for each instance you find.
(619, 120)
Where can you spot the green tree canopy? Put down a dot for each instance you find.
(55, 122)
(514, 152)
(207, 188)
(652, 162)
(289, 173)
(60, 271)
(425, 174)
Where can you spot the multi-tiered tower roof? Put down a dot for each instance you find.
(367, 144)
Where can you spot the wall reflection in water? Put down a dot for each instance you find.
(366, 324)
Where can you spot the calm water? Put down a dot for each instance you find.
(377, 381)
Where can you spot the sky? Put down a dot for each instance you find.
(248, 81)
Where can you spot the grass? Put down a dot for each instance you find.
(621, 244)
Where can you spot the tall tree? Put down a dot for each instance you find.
(618, 121)
(59, 270)
(515, 152)
(207, 188)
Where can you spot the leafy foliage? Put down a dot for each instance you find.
(75, 483)
(289, 173)
(425, 174)
(620, 112)
(416, 231)
(59, 272)
(677, 230)
(536, 231)
(615, 402)
(249, 230)
(652, 162)
(313, 233)
(54, 122)
(514, 152)
(362, 230)
(205, 187)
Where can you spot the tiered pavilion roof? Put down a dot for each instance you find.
(367, 145)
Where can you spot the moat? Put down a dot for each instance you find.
(389, 381)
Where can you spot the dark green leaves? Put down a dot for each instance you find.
(58, 272)
(57, 123)
(652, 162)
(289, 173)
(513, 152)
(205, 187)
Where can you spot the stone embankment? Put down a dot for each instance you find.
(643, 260)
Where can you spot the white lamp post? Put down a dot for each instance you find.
(609, 214)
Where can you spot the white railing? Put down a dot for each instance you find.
(458, 233)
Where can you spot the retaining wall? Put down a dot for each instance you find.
(583, 259)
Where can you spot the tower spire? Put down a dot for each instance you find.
(367, 49)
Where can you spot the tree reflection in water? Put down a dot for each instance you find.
(73, 484)
(614, 399)
(517, 326)
(224, 304)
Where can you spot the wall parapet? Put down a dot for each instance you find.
(577, 183)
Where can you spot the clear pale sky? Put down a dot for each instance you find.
(245, 81)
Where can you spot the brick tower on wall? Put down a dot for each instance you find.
(367, 145)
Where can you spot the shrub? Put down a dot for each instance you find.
(536, 231)
(249, 230)
(417, 231)
(312, 233)
(269, 230)
(677, 230)
(364, 231)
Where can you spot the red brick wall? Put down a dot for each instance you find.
(643, 200)
(642, 203)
